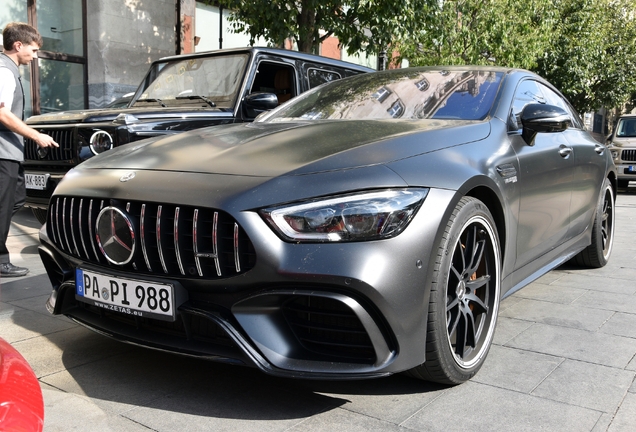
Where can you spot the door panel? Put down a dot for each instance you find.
(544, 182)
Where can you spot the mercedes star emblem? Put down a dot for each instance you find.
(128, 176)
(115, 235)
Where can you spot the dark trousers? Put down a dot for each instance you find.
(12, 197)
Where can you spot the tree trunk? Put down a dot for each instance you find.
(308, 37)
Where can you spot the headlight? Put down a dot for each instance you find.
(614, 154)
(100, 142)
(355, 217)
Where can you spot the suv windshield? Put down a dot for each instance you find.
(418, 93)
(205, 81)
(626, 127)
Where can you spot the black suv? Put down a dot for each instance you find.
(179, 93)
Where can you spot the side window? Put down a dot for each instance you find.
(275, 78)
(527, 92)
(320, 76)
(553, 98)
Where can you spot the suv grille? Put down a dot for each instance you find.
(628, 155)
(177, 241)
(64, 137)
(329, 327)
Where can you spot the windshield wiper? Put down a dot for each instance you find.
(203, 98)
(152, 100)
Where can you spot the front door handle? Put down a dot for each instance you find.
(565, 151)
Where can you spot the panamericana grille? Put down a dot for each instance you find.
(628, 155)
(174, 241)
(64, 137)
(329, 327)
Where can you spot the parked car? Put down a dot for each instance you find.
(21, 403)
(179, 93)
(370, 226)
(622, 145)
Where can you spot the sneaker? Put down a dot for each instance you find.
(9, 270)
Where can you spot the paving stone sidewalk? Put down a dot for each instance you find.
(563, 360)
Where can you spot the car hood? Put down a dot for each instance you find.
(109, 114)
(294, 148)
(624, 142)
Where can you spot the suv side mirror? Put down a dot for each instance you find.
(543, 118)
(257, 103)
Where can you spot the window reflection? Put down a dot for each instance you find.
(442, 94)
(381, 94)
(397, 109)
(61, 86)
(60, 24)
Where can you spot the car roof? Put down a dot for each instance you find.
(273, 51)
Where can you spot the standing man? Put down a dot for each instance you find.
(21, 43)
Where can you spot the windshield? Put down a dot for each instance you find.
(626, 128)
(416, 93)
(205, 81)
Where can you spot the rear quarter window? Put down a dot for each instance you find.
(317, 77)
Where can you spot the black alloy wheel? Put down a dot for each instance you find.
(597, 254)
(464, 296)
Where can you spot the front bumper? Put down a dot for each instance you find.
(337, 310)
(626, 171)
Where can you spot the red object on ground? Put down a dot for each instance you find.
(21, 403)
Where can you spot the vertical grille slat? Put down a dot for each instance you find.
(177, 241)
(57, 223)
(73, 226)
(91, 235)
(65, 151)
(215, 250)
(237, 262)
(628, 155)
(64, 226)
(195, 241)
(159, 247)
(142, 229)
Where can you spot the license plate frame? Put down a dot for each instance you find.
(128, 296)
(36, 181)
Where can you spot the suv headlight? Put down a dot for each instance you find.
(354, 217)
(100, 142)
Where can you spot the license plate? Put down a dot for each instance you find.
(127, 296)
(631, 168)
(36, 181)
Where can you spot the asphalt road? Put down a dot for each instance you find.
(563, 360)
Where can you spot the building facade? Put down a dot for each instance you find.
(97, 50)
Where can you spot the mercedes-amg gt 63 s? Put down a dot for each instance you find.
(369, 226)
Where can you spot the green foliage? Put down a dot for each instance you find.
(593, 55)
(360, 25)
(587, 48)
(502, 32)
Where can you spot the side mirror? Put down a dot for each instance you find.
(257, 103)
(543, 118)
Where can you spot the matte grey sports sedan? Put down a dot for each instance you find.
(368, 227)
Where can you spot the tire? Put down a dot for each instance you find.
(40, 214)
(464, 298)
(597, 254)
